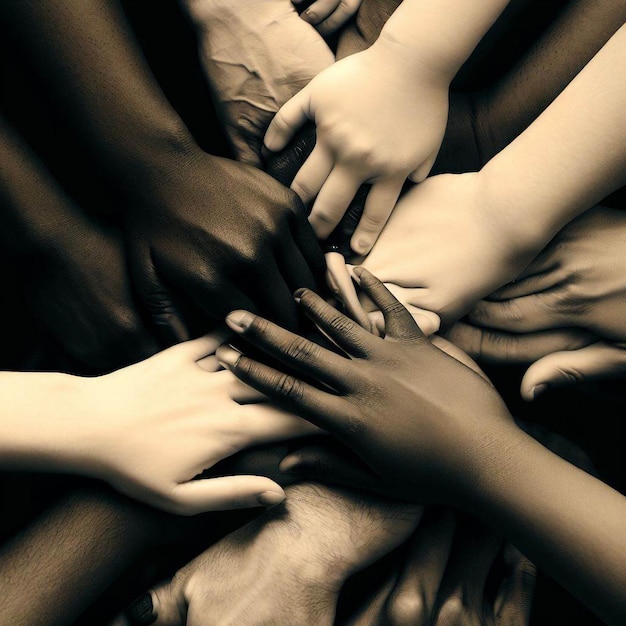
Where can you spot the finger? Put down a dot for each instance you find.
(198, 349)
(420, 174)
(157, 298)
(514, 600)
(344, 11)
(341, 330)
(163, 605)
(329, 465)
(380, 202)
(313, 174)
(426, 558)
(263, 423)
(333, 200)
(399, 324)
(371, 607)
(528, 314)
(319, 11)
(428, 321)
(223, 493)
(293, 114)
(244, 394)
(492, 346)
(329, 412)
(559, 369)
(342, 285)
(461, 596)
(290, 349)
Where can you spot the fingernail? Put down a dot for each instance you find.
(239, 320)
(310, 16)
(141, 611)
(227, 357)
(270, 498)
(539, 389)
(298, 293)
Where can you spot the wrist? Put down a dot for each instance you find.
(155, 154)
(46, 429)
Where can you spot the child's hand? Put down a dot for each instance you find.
(329, 15)
(446, 248)
(380, 118)
(157, 424)
(420, 419)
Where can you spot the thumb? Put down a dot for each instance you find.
(290, 117)
(599, 360)
(225, 493)
(163, 605)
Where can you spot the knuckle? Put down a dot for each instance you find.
(289, 388)
(406, 609)
(301, 349)
(452, 611)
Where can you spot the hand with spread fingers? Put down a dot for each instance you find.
(437, 431)
(148, 429)
(440, 406)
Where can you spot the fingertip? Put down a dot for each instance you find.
(227, 356)
(271, 497)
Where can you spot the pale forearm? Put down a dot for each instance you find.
(442, 33)
(572, 156)
(566, 521)
(40, 421)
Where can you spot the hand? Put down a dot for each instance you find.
(380, 118)
(329, 16)
(446, 247)
(577, 281)
(77, 288)
(266, 573)
(154, 426)
(445, 416)
(250, 83)
(222, 234)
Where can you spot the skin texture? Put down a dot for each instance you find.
(250, 83)
(575, 282)
(572, 37)
(480, 461)
(478, 213)
(232, 580)
(233, 219)
(147, 429)
(328, 16)
(355, 144)
(70, 265)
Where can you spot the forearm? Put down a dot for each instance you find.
(506, 109)
(43, 421)
(88, 62)
(34, 211)
(441, 33)
(572, 156)
(566, 521)
(53, 570)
